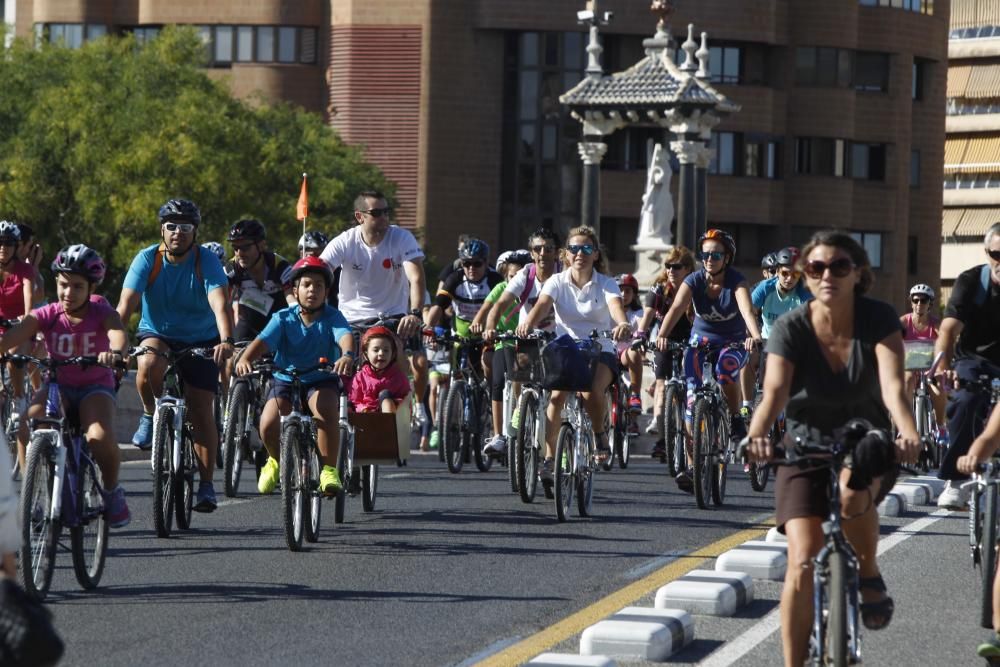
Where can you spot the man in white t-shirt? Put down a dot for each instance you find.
(527, 283)
(382, 272)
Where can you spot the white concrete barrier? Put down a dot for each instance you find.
(915, 494)
(639, 633)
(755, 559)
(936, 485)
(707, 592)
(893, 505)
(571, 659)
(774, 536)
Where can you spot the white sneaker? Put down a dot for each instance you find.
(651, 429)
(496, 445)
(954, 497)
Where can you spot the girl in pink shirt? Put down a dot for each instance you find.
(380, 384)
(80, 323)
(17, 281)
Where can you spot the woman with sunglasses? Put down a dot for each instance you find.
(919, 325)
(723, 314)
(17, 291)
(678, 263)
(584, 299)
(835, 358)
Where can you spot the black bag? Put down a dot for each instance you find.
(27, 637)
(568, 364)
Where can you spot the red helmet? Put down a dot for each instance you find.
(628, 280)
(379, 332)
(311, 265)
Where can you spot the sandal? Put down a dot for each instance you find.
(871, 612)
(603, 448)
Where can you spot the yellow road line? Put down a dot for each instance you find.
(539, 642)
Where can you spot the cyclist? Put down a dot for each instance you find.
(508, 265)
(379, 385)
(920, 325)
(768, 266)
(299, 336)
(584, 299)
(258, 279)
(80, 323)
(181, 288)
(678, 263)
(312, 243)
(835, 358)
(723, 314)
(17, 284)
(982, 449)
(382, 272)
(970, 331)
(627, 357)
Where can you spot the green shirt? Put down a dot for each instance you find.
(508, 321)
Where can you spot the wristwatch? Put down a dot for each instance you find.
(230, 340)
(351, 354)
(416, 312)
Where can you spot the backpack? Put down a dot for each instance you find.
(983, 289)
(158, 264)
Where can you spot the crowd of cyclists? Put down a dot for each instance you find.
(805, 345)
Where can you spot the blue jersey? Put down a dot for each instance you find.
(296, 345)
(717, 319)
(175, 306)
(772, 304)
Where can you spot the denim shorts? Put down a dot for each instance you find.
(73, 396)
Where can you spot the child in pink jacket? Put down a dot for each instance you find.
(380, 384)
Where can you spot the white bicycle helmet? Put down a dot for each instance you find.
(921, 288)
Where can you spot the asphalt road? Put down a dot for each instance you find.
(451, 569)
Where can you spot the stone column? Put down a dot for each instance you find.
(690, 153)
(591, 152)
(702, 160)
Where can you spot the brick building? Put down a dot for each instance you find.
(842, 119)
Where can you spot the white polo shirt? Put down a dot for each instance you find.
(579, 310)
(373, 280)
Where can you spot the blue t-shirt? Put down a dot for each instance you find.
(718, 319)
(772, 305)
(296, 345)
(176, 306)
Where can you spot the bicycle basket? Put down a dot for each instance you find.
(524, 361)
(569, 364)
(919, 354)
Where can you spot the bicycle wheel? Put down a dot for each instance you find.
(219, 414)
(89, 540)
(39, 532)
(184, 481)
(315, 506)
(454, 430)
(672, 429)
(439, 406)
(613, 424)
(369, 487)
(292, 487)
(704, 434)
(835, 646)
(6, 406)
(484, 429)
(234, 435)
(720, 459)
(564, 463)
(525, 447)
(163, 473)
(623, 449)
(345, 472)
(920, 415)
(988, 554)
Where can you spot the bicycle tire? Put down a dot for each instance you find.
(623, 447)
(89, 539)
(920, 414)
(836, 635)
(439, 406)
(720, 459)
(703, 436)
(672, 429)
(344, 471)
(39, 533)
(184, 482)
(612, 424)
(313, 508)
(563, 472)
(454, 432)
(369, 487)
(10, 436)
(163, 473)
(292, 496)
(526, 450)
(218, 414)
(989, 555)
(484, 428)
(234, 436)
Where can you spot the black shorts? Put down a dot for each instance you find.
(196, 371)
(282, 389)
(805, 492)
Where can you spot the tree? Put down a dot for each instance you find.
(94, 140)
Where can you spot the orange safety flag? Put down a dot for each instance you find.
(302, 208)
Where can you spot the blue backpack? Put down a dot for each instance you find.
(983, 291)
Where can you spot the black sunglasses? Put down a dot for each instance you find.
(714, 255)
(994, 255)
(473, 264)
(539, 249)
(379, 212)
(920, 299)
(838, 267)
(673, 267)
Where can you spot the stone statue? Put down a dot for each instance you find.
(657, 206)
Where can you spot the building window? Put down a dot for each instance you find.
(867, 161)
(914, 168)
(871, 72)
(918, 6)
(841, 68)
(265, 44)
(761, 156)
(819, 156)
(286, 45)
(912, 255)
(629, 149)
(145, 33)
(872, 243)
(307, 46)
(919, 75)
(223, 44)
(725, 159)
(983, 31)
(71, 35)
(244, 43)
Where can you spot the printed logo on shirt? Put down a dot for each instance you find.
(716, 316)
(63, 345)
(357, 267)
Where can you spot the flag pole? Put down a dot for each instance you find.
(304, 186)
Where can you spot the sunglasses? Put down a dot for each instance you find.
(920, 299)
(379, 212)
(586, 249)
(7, 243)
(838, 268)
(243, 248)
(673, 267)
(183, 227)
(994, 255)
(786, 273)
(473, 264)
(715, 256)
(541, 249)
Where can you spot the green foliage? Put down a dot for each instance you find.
(94, 140)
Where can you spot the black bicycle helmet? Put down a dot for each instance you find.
(313, 240)
(247, 230)
(769, 261)
(9, 231)
(474, 249)
(81, 260)
(180, 210)
(27, 233)
(787, 256)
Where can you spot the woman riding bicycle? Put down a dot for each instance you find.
(629, 358)
(833, 359)
(584, 299)
(723, 314)
(17, 281)
(919, 325)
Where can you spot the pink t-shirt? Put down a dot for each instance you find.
(12, 289)
(64, 339)
(912, 333)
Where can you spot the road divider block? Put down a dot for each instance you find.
(936, 485)
(915, 494)
(639, 633)
(571, 660)
(893, 505)
(774, 536)
(707, 592)
(759, 559)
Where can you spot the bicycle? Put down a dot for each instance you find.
(524, 365)
(759, 472)
(240, 441)
(62, 488)
(623, 423)
(933, 449)
(172, 458)
(671, 414)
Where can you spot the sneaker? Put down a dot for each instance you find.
(329, 481)
(745, 412)
(737, 428)
(118, 514)
(435, 440)
(652, 428)
(989, 649)
(143, 438)
(635, 404)
(496, 445)
(205, 500)
(684, 481)
(659, 450)
(268, 476)
(421, 416)
(515, 419)
(954, 497)
(545, 473)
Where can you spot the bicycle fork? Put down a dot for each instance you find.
(59, 473)
(821, 587)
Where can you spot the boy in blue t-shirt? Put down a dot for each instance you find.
(299, 336)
